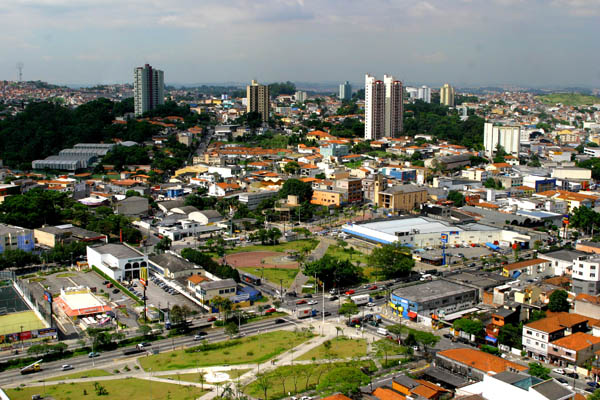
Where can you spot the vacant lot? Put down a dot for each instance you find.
(118, 389)
(251, 349)
(297, 245)
(347, 253)
(340, 347)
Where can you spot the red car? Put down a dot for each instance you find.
(374, 287)
(270, 310)
(301, 301)
(349, 292)
(211, 319)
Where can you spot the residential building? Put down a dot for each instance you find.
(118, 261)
(148, 89)
(588, 247)
(424, 93)
(447, 95)
(417, 388)
(400, 197)
(527, 269)
(432, 300)
(300, 97)
(538, 335)
(352, 188)
(334, 150)
(586, 275)
(562, 260)
(586, 305)
(133, 205)
(473, 363)
(374, 108)
(16, 238)
(328, 197)
(258, 100)
(573, 350)
(394, 106)
(345, 91)
(506, 136)
(50, 236)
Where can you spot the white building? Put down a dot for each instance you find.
(586, 275)
(384, 108)
(506, 136)
(300, 97)
(118, 261)
(148, 89)
(345, 91)
(424, 93)
(592, 151)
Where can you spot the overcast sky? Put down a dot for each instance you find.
(464, 42)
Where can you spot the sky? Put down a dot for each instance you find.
(537, 43)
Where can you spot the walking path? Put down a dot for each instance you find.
(316, 254)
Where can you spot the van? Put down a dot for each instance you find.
(382, 331)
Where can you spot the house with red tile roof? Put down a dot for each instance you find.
(573, 350)
(474, 363)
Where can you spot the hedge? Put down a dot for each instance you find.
(117, 284)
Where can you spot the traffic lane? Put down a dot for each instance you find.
(107, 358)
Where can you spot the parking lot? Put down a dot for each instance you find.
(162, 298)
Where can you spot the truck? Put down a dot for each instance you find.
(361, 299)
(134, 350)
(31, 368)
(305, 312)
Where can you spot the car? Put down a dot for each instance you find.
(378, 297)
(559, 371)
(308, 296)
(562, 381)
(589, 390)
(93, 354)
(280, 321)
(471, 265)
(66, 367)
(333, 298)
(573, 375)
(211, 319)
(270, 310)
(448, 336)
(350, 292)
(593, 384)
(145, 344)
(200, 335)
(326, 313)
(105, 282)
(332, 291)
(389, 284)
(374, 287)
(115, 291)
(301, 301)
(370, 304)
(313, 302)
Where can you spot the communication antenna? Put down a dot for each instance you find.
(20, 66)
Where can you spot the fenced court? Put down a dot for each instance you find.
(10, 301)
(20, 322)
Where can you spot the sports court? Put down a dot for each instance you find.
(15, 316)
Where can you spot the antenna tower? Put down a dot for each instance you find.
(20, 66)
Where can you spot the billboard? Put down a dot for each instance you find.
(444, 238)
(48, 297)
(144, 276)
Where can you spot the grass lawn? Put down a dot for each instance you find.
(25, 320)
(281, 247)
(118, 389)
(193, 377)
(66, 275)
(252, 349)
(82, 374)
(339, 253)
(569, 99)
(274, 275)
(307, 376)
(341, 347)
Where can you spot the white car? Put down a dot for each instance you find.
(66, 367)
(370, 304)
(559, 371)
(312, 302)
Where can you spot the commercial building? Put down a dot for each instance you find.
(473, 363)
(148, 89)
(527, 269)
(424, 93)
(586, 275)
(432, 300)
(253, 199)
(172, 266)
(334, 150)
(118, 261)
(79, 302)
(50, 236)
(424, 231)
(15, 237)
(345, 91)
(206, 291)
(447, 95)
(400, 197)
(506, 136)
(328, 197)
(133, 205)
(258, 99)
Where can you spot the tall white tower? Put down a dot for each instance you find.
(148, 89)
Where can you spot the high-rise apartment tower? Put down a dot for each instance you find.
(257, 97)
(384, 107)
(345, 91)
(447, 95)
(148, 89)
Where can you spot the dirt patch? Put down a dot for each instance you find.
(266, 259)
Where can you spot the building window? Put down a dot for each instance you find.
(529, 332)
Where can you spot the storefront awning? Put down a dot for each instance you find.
(491, 339)
(412, 314)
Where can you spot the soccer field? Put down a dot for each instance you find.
(12, 323)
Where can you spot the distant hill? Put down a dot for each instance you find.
(569, 99)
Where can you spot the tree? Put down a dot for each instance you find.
(348, 309)
(334, 272)
(537, 369)
(457, 198)
(510, 335)
(346, 380)
(558, 301)
(231, 329)
(263, 382)
(298, 188)
(292, 168)
(144, 329)
(470, 326)
(500, 154)
(384, 346)
(163, 245)
(537, 315)
(392, 261)
(595, 395)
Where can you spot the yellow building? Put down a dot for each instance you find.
(401, 197)
(447, 95)
(324, 197)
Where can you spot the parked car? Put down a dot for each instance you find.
(573, 375)
(448, 336)
(211, 319)
(308, 296)
(326, 313)
(333, 298)
(559, 371)
(312, 302)
(115, 291)
(594, 385)
(562, 381)
(370, 304)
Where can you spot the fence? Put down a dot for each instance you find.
(42, 309)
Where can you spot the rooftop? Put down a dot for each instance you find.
(577, 341)
(225, 283)
(172, 262)
(524, 264)
(431, 290)
(117, 250)
(480, 360)
(557, 322)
